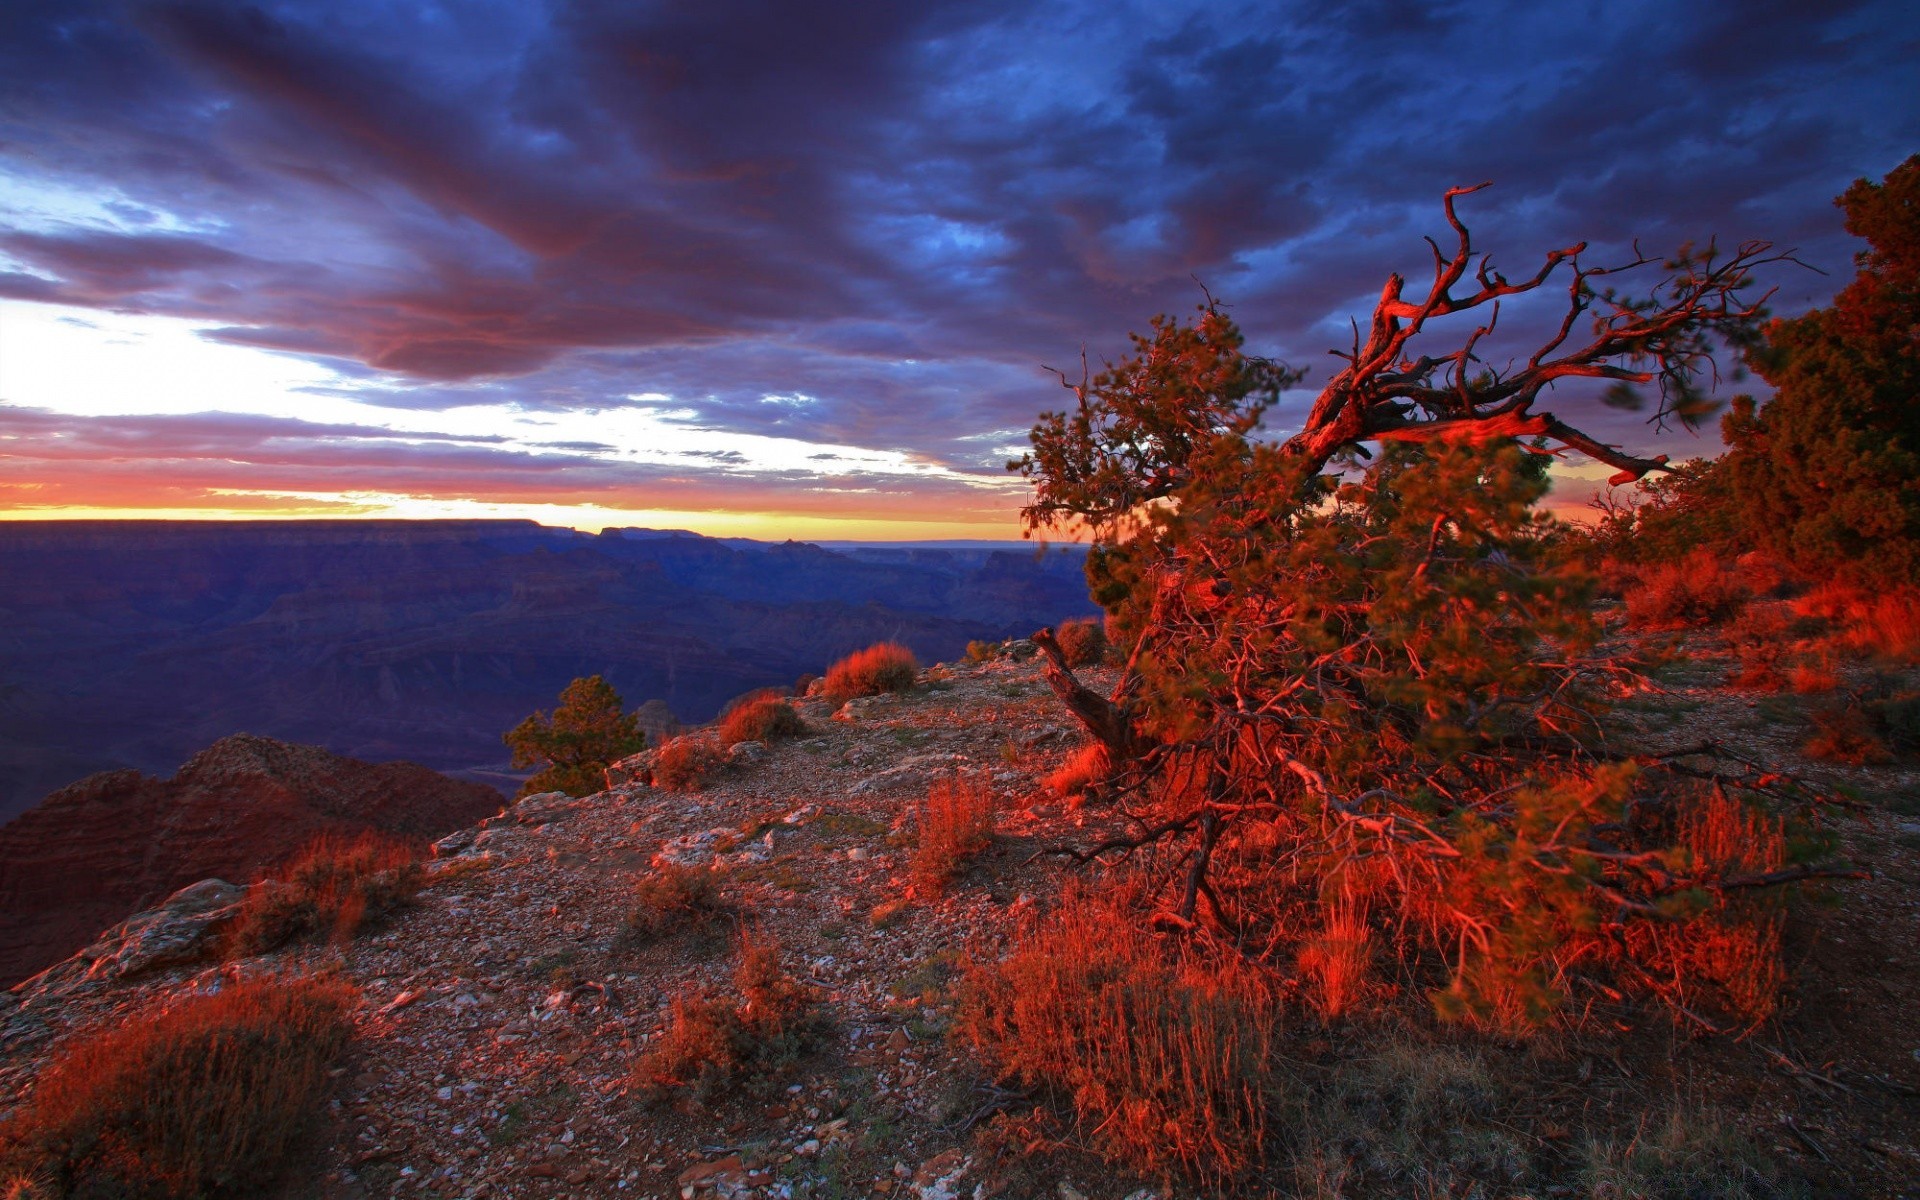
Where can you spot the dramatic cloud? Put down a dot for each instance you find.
(811, 258)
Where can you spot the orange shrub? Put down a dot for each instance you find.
(1885, 623)
(674, 898)
(760, 717)
(1083, 640)
(206, 1096)
(956, 823)
(1165, 1058)
(1700, 589)
(688, 763)
(882, 667)
(711, 1046)
(330, 889)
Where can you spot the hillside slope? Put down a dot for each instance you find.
(101, 848)
(502, 1016)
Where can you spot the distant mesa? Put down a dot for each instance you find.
(98, 850)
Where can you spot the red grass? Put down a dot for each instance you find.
(711, 1046)
(1087, 766)
(329, 890)
(1337, 960)
(882, 667)
(1165, 1058)
(956, 823)
(203, 1097)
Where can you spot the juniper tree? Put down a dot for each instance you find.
(574, 745)
(1368, 672)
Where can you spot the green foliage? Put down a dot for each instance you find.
(1823, 473)
(574, 745)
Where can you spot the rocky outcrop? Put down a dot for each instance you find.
(114, 843)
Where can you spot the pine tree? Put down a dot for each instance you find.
(1823, 474)
(573, 746)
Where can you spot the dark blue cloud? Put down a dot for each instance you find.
(894, 213)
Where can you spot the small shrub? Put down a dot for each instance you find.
(1844, 732)
(206, 1096)
(982, 651)
(688, 763)
(803, 685)
(1165, 1057)
(1083, 641)
(882, 667)
(955, 823)
(330, 889)
(1697, 590)
(1085, 767)
(761, 717)
(712, 1046)
(673, 899)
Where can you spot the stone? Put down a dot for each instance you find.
(920, 769)
(454, 843)
(691, 850)
(542, 808)
(939, 1177)
(746, 753)
(182, 930)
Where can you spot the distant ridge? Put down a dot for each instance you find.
(131, 644)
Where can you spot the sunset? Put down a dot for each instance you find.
(799, 274)
(724, 600)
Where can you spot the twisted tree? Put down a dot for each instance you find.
(1380, 682)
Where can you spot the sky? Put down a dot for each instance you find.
(798, 269)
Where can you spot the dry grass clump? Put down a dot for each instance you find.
(1687, 1154)
(329, 890)
(674, 899)
(1083, 640)
(202, 1098)
(712, 1045)
(1165, 1058)
(688, 763)
(1084, 768)
(761, 717)
(882, 667)
(1700, 589)
(955, 823)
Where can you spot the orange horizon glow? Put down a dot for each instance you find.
(759, 526)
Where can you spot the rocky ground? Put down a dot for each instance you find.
(503, 1013)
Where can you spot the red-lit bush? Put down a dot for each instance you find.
(760, 717)
(688, 763)
(330, 889)
(1083, 640)
(205, 1097)
(882, 667)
